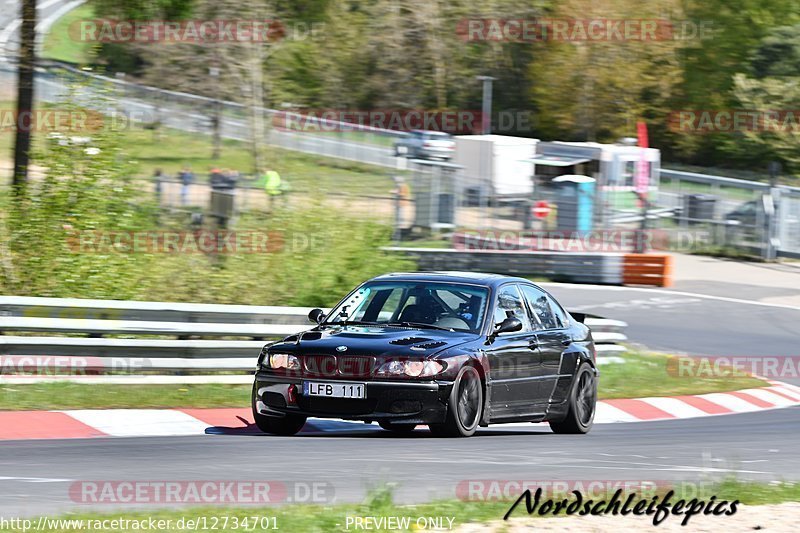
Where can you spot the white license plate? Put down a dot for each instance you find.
(334, 390)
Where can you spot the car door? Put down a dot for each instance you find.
(552, 336)
(514, 361)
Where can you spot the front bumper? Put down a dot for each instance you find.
(436, 153)
(396, 401)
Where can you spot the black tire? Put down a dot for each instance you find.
(401, 429)
(464, 407)
(285, 426)
(582, 403)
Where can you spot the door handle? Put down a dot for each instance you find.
(533, 345)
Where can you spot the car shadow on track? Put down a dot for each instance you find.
(419, 434)
(365, 431)
(249, 428)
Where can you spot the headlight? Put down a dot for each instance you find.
(432, 368)
(263, 355)
(284, 360)
(412, 368)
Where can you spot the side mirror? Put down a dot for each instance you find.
(316, 315)
(508, 325)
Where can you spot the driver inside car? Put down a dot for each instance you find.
(422, 310)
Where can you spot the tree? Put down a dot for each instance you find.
(597, 90)
(778, 54)
(25, 86)
(775, 130)
(738, 27)
(710, 64)
(772, 93)
(220, 69)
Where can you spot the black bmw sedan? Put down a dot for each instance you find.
(451, 350)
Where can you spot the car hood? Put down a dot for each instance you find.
(371, 340)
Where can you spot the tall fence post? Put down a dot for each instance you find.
(772, 241)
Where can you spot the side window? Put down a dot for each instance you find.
(540, 304)
(510, 300)
(561, 315)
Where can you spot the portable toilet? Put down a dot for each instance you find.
(575, 202)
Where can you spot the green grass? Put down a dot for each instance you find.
(62, 42)
(425, 243)
(752, 493)
(362, 137)
(311, 518)
(171, 150)
(63, 395)
(318, 518)
(6, 136)
(651, 374)
(641, 375)
(688, 187)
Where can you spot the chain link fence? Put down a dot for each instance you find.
(434, 199)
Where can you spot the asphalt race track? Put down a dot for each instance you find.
(36, 475)
(691, 323)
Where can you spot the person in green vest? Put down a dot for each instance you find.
(273, 185)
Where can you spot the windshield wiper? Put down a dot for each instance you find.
(417, 325)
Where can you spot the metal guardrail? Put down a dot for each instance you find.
(151, 356)
(28, 306)
(722, 181)
(142, 327)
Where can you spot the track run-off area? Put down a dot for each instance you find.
(352, 459)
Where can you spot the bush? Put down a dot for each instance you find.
(324, 253)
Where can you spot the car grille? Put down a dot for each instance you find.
(329, 366)
(354, 366)
(320, 365)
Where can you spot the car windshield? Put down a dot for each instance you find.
(435, 135)
(450, 306)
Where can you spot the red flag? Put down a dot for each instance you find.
(642, 177)
(641, 133)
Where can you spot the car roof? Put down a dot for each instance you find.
(476, 278)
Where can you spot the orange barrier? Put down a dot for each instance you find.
(647, 269)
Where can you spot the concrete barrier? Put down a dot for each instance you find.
(570, 267)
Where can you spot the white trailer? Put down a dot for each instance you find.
(495, 165)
